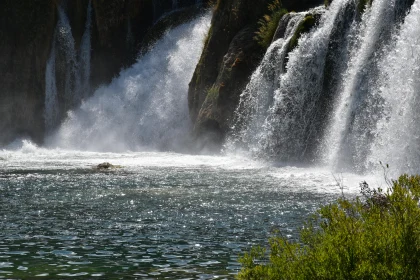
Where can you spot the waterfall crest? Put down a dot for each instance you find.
(146, 106)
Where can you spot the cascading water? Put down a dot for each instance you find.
(66, 45)
(358, 106)
(348, 96)
(67, 71)
(146, 106)
(174, 4)
(291, 125)
(85, 48)
(398, 131)
(257, 98)
(51, 113)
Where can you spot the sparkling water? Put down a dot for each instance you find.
(157, 215)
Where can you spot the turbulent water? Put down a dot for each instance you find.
(254, 106)
(146, 106)
(159, 215)
(349, 94)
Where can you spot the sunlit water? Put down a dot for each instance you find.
(161, 215)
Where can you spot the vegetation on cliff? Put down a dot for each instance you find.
(268, 24)
(376, 237)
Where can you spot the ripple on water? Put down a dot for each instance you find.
(170, 219)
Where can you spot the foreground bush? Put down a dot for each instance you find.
(376, 237)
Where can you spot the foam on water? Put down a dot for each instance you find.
(25, 155)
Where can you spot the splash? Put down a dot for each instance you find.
(145, 108)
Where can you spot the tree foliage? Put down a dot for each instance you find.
(376, 236)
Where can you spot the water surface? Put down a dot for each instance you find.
(162, 215)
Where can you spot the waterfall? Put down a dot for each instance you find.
(67, 79)
(348, 96)
(66, 44)
(174, 4)
(51, 111)
(358, 106)
(85, 48)
(257, 98)
(398, 131)
(146, 106)
(291, 126)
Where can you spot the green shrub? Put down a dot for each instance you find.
(268, 24)
(375, 237)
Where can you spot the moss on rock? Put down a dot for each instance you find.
(304, 26)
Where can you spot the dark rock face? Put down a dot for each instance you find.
(301, 5)
(240, 60)
(123, 27)
(229, 57)
(26, 32)
(119, 27)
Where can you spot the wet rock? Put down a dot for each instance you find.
(107, 166)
